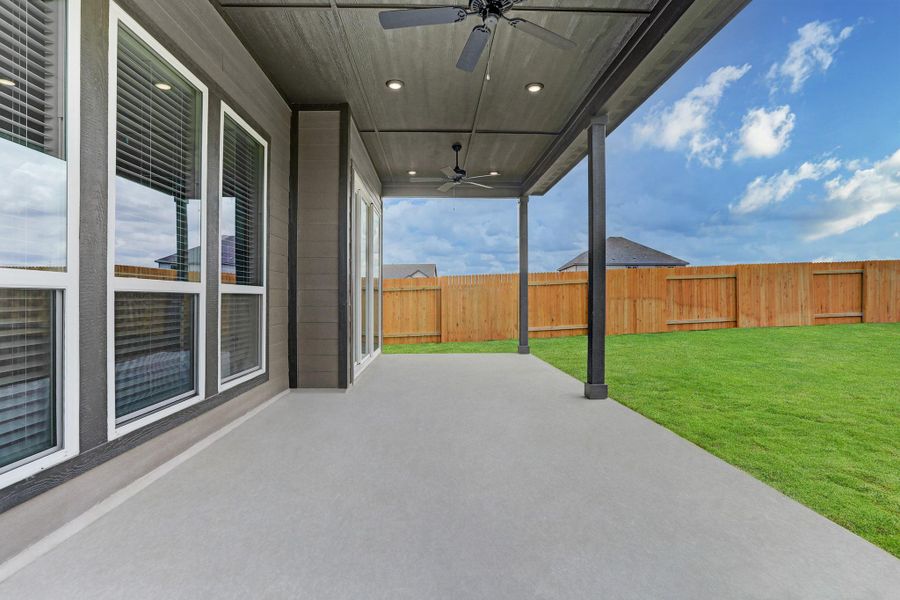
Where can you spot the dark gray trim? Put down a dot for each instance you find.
(405, 5)
(523, 275)
(345, 360)
(293, 224)
(212, 241)
(460, 131)
(93, 223)
(595, 386)
(45, 480)
(651, 30)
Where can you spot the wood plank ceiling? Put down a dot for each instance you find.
(331, 52)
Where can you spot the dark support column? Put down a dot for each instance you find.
(595, 388)
(523, 275)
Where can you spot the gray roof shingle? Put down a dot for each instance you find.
(402, 271)
(622, 252)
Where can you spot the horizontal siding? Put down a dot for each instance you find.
(317, 247)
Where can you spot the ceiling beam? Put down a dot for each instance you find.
(397, 189)
(629, 12)
(460, 131)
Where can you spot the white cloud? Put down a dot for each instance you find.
(32, 207)
(822, 259)
(685, 125)
(861, 197)
(765, 133)
(764, 191)
(813, 49)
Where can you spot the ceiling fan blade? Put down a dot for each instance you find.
(449, 172)
(448, 186)
(475, 45)
(482, 176)
(395, 19)
(487, 187)
(426, 179)
(545, 35)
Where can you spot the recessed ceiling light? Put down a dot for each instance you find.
(494, 173)
(411, 172)
(7, 82)
(394, 84)
(535, 87)
(162, 85)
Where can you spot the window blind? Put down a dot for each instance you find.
(157, 130)
(242, 179)
(154, 350)
(27, 374)
(240, 334)
(32, 68)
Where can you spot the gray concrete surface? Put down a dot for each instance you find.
(457, 477)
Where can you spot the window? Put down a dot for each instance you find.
(39, 70)
(242, 251)
(376, 279)
(367, 276)
(156, 247)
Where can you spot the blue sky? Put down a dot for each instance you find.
(778, 141)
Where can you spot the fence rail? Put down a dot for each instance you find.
(485, 307)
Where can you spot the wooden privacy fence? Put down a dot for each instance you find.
(485, 307)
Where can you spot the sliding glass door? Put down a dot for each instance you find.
(366, 278)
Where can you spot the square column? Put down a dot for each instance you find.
(595, 388)
(523, 275)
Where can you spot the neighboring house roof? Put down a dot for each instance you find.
(194, 255)
(404, 271)
(622, 252)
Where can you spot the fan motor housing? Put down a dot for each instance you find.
(485, 7)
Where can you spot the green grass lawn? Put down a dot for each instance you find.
(811, 411)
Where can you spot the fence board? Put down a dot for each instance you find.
(485, 307)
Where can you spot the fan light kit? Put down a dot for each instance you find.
(7, 82)
(534, 88)
(454, 176)
(394, 84)
(163, 86)
(491, 12)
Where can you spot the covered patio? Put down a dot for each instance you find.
(449, 476)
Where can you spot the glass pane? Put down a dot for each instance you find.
(32, 144)
(242, 202)
(158, 126)
(154, 351)
(240, 334)
(363, 278)
(376, 279)
(28, 420)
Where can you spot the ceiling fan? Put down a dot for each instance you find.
(454, 176)
(490, 11)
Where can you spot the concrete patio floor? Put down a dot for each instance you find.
(456, 476)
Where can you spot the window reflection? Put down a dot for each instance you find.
(32, 208)
(157, 235)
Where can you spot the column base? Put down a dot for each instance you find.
(596, 391)
(524, 350)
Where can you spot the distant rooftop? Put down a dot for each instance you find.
(622, 252)
(404, 271)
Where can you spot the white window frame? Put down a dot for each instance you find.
(65, 283)
(363, 196)
(115, 284)
(228, 288)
